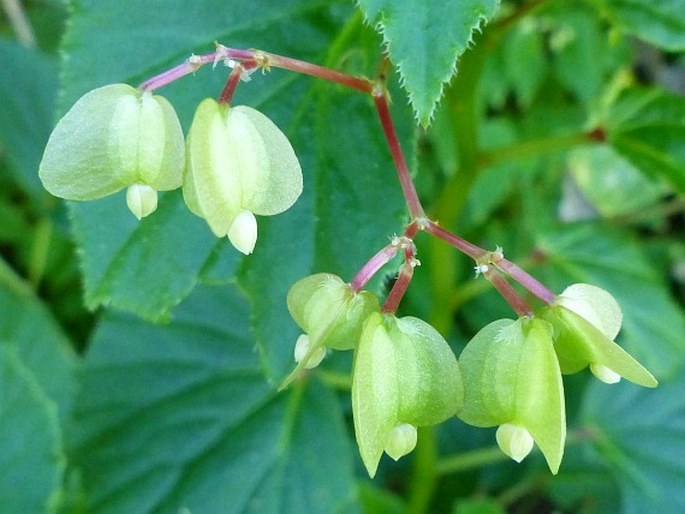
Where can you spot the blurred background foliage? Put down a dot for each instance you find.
(138, 361)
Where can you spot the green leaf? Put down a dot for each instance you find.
(611, 184)
(179, 417)
(31, 454)
(379, 501)
(640, 435)
(29, 329)
(646, 127)
(478, 506)
(424, 40)
(653, 324)
(28, 89)
(660, 23)
(146, 267)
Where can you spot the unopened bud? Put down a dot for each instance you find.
(605, 374)
(141, 200)
(243, 232)
(401, 441)
(302, 348)
(514, 440)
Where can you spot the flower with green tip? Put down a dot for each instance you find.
(512, 380)
(586, 319)
(405, 376)
(115, 137)
(238, 164)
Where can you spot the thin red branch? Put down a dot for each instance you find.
(411, 197)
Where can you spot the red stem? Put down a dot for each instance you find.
(410, 196)
(359, 83)
(231, 84)
(508, 293)
(398, 290)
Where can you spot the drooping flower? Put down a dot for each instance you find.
(115, 137)
(405, 376)
(512, 380)
(239, 164)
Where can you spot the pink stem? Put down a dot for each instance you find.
(371, 268)
(473, 251)
(526, 280)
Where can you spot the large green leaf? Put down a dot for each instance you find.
(424, 40)
(28, 328)
(661, 22)
(646, 126)
(31, 456)
(149, 267)
(640, 435)
(653, 324)
(146, 267)
(179, 417)
(28, 90)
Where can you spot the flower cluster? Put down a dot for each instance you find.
(509, 375)
(234, 164)
(405, 374)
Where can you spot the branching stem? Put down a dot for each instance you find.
(245, 60)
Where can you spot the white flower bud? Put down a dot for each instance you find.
(514, 440)
(606, 375)
(141, 200)
(243, 232)
(302, 347)
(401, 441)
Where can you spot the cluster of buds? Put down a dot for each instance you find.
(235, 163)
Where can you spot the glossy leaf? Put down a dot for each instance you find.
(192, 424)
(424, 41)
(28, 328)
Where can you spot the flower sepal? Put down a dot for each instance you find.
(405, 376)
(586, 319)
(512, 380)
